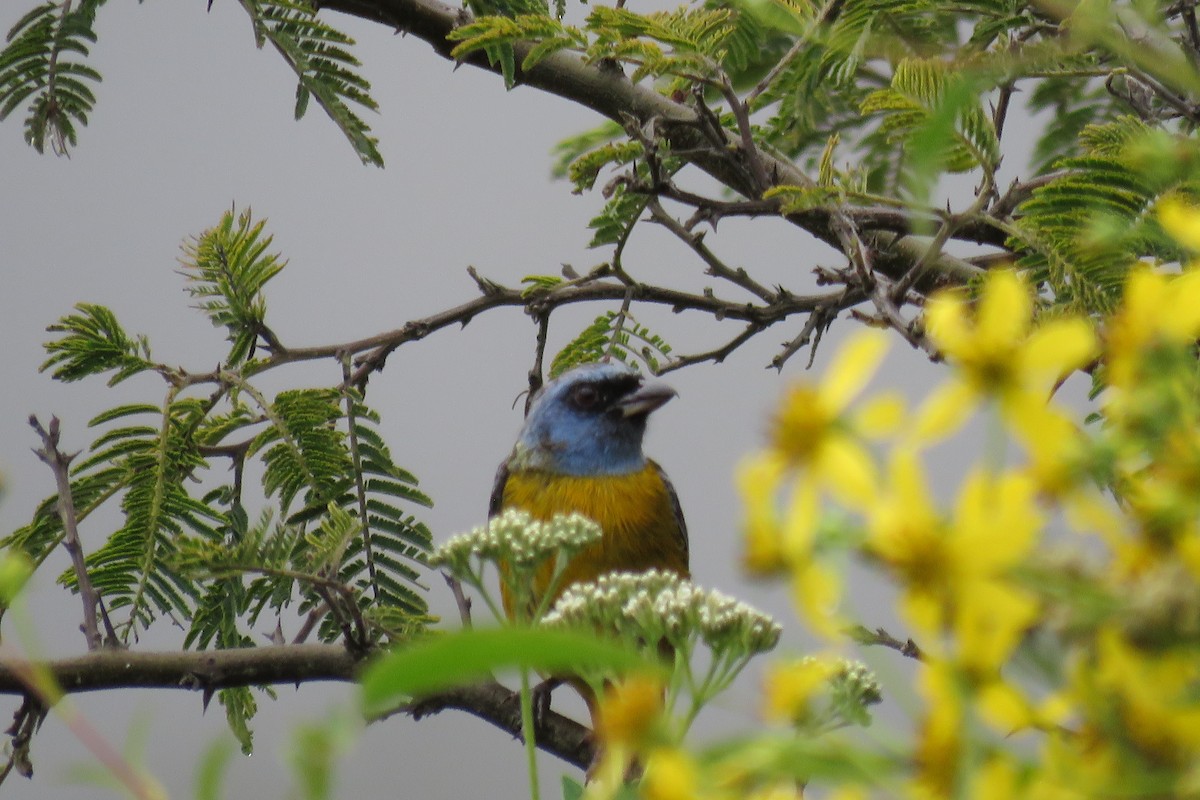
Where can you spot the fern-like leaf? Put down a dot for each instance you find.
(1077, 232)
(302, 449)
(95, 343)
(939, 117)
(325, 68)
(42, 66)
(152, 465)
(226, 268)
(615, 335)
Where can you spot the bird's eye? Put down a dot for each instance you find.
(585, 397)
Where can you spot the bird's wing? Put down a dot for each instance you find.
(497, 498)
(676, 509)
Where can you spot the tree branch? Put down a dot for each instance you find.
(607, 91)
(209, 670)
(60, 464)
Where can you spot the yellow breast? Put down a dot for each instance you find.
(636, 512)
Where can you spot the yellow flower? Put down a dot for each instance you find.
(998, 353)
(629, 712)
(758, 480)
(1182, 222)
(814, 430)
(790, 686)
(939, 747)
(1154, 694)
(954, 573)
(671, 774)
(907, 533)
(1155, 310)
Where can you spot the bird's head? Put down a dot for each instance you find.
(589, 421)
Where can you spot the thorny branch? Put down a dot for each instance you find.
(879, 636)
(60, 465)
(209, 670)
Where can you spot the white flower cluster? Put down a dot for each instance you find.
(654, 605)
(855, 689)
(518, 540)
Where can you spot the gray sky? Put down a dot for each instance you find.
(190, 119)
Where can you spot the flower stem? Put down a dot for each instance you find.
(527, 734)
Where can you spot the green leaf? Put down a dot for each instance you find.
(211, 769)
(612, 335)
(320, 57)
(226, 268)
(468, 656)
(40, 68)
(94, 343)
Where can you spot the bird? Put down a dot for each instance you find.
(580, 450)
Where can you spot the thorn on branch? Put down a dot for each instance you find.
(487, 286)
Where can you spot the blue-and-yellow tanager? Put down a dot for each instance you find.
(580, 450)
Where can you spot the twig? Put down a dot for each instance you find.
(536, 372)
(60, 464)
(44, 694)
(26, 721)
(687, 130)
(716, 355)
(310, 623)
(360, 488)
(741, 115)
(949, 225)
(879, 636)
(460, 598)
(716, 267)
(818, 321)
(1189, 19)
(1018, 192)
(493, 702)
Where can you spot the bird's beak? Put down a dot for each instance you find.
(644, 399)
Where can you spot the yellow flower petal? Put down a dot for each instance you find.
(880, 416)
(801, 521)
(847, 469)
(1181, 221)
(944, 411)
(1004, 708)
(946, 320)
(1181, 320)
(671, 774)
(853, 366)
(817, 593)
(1004, 310)
(1059, 347)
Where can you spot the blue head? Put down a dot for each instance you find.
(589, 421)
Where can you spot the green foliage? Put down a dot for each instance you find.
(938, 119)
(333, 538)
(95, 343)
(43, 68)
(1076, 232)
(42, 64)
(615, 335)
(586, 168)
(537, 284)
(686, 43)
(325, 68)
(226, 268)
(495, 36)
(571, 148)
(470, 655)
